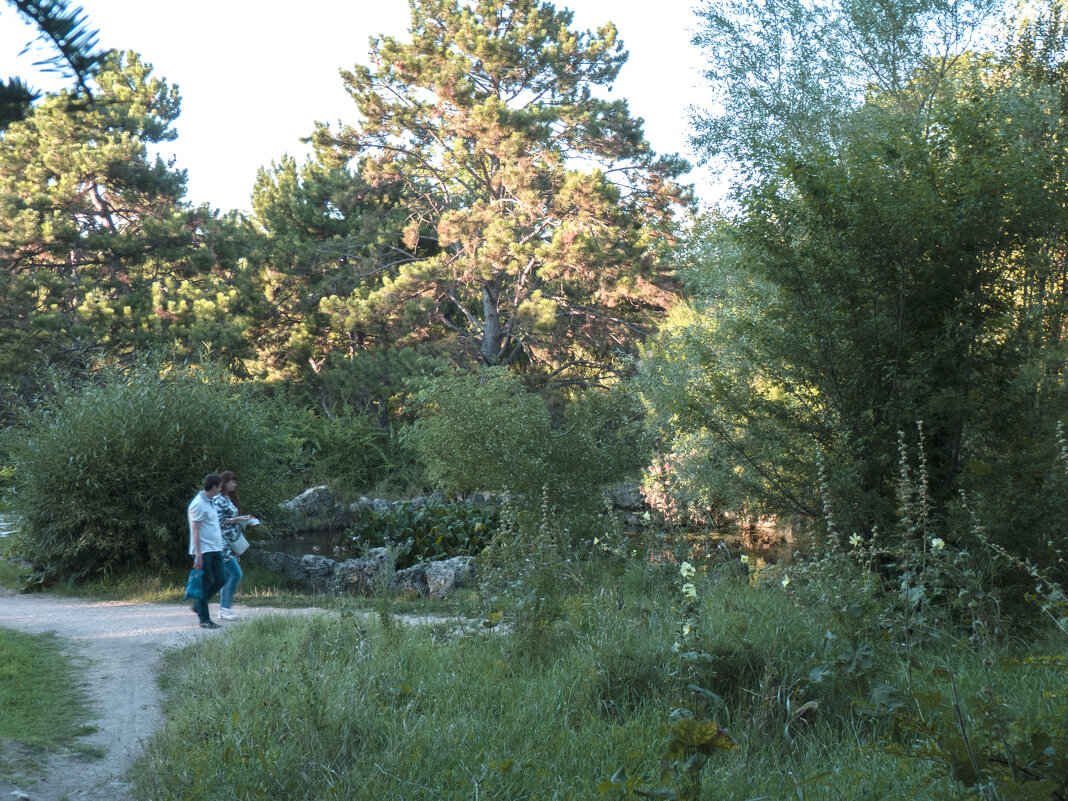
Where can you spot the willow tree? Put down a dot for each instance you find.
(534, 206)
(902, 278)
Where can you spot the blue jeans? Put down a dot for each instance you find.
(214, 579)
(232, 571)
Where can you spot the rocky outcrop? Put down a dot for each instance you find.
(448, 575)
(316, 510)
(371, 573)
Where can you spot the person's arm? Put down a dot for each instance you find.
(223, 505)
(198, 557)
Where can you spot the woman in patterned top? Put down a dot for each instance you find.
(230, 521)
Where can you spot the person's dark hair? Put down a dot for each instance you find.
(211, 481)
(232, 494)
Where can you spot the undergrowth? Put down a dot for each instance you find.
(874, 669)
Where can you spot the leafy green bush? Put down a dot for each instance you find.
(486, 431)
(481, 431)
(103, 473)
(343, 449)
(425, 533)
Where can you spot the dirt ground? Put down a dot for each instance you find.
(121, 644)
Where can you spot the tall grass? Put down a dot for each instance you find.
(339, 707)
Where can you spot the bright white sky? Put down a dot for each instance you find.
(254, 76)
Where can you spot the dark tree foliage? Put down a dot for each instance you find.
(65, 33)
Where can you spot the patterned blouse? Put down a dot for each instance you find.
(230, 531)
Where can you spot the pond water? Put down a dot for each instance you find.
(323, 543)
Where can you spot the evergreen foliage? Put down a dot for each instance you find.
(509, 247)
(98, 250)
(64, 30)
(323, 233)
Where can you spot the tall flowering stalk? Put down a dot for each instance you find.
(693, 739)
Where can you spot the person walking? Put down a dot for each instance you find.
(230, 520)
(206, 545)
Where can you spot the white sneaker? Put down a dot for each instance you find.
(226, 614)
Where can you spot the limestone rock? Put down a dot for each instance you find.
(361, 576)
(319, 571)
(626, 496)
(445, 577)
(313, 502)
(410, 579)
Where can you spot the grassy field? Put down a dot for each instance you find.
(576, 692)
(42, 706)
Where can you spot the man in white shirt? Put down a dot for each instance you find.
(206, 545)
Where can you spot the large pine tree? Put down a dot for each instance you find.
(534, 207)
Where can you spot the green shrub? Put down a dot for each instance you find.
(103, 473)
(486, 431)
(481, 431)
(343, 449)
(425, 533)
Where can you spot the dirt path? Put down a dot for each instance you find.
(122, 644)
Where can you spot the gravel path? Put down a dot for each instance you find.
(122, 643)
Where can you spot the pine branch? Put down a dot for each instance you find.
(66, 28)
(15, 100)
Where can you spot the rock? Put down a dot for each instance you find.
(315, 510)
(319, 572)
(366, 575)
(411, 580)
(314, 502)
(291, 567)
(381, 504)
(360, 505)
(418, 502)
(445, 577)
(361, 576)
(626, 496)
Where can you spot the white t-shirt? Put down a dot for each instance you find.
(202, 511)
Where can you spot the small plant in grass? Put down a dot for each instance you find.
(928, 598)
(980, 738)
(524, 572)
(693, 735)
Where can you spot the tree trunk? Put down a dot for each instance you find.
(492, 344)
